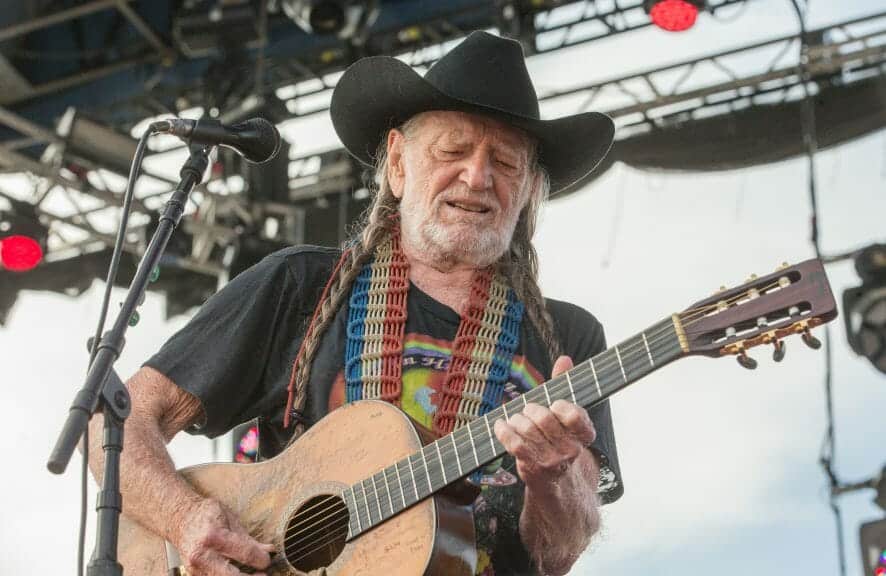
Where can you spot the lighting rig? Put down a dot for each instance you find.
(290, 74)
(864, 307)
(872, 535)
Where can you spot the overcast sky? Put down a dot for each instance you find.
(719, 463)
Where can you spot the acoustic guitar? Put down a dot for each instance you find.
(366, 492)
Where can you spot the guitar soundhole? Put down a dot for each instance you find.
(316, 533)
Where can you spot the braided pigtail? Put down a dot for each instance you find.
(377, 224)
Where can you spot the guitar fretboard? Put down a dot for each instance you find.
(454, 456)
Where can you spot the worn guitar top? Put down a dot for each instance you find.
(236, 356)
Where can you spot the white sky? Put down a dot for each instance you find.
(720, 464)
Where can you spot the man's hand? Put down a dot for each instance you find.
(560, 507)
(210, 537)
(545, 442)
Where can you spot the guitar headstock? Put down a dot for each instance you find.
(764, 310)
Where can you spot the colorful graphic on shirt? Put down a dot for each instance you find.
(425, 362)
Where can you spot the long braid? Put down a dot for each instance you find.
(375, 227)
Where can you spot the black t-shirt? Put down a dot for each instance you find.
(236, 357)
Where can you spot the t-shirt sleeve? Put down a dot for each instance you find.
(220, 356)
(582, 337)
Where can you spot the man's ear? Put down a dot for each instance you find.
(396, 172)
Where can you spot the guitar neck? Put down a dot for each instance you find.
(450, 458)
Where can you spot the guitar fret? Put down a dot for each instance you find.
(440, 460)
(356, 511)
(424, 461)
(504, 408)
(366, 500)
(489, 432)
(384, 475)
(400, 483)
(648, 352)
(571, 388)
(377, 500)
(547, 395)
(412, 473)
(620, 365)
(457, 459)
(596, 380)
(473, 447)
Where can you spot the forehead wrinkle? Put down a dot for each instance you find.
(461, 126)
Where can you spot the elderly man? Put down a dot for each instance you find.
(443, 265)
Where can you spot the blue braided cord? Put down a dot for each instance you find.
(500, 369)
(358, 305)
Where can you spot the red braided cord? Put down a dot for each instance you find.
(462, 348)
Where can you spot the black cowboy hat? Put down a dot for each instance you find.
(484, 74)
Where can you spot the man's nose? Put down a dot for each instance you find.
(477, 173)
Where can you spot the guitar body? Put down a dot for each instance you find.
(435, 536)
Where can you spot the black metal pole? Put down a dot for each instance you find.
(103, 388)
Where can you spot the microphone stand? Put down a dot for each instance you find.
(103, 389)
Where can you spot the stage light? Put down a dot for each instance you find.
(96, 143)
(22, 238)
(673, 15)
(864, 307)
(20, 253)
(343, 18)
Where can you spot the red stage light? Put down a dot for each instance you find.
(673, 15)
(20, 253)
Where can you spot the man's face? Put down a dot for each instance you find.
(462, 180)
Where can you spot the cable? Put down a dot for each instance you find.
(809, 130)
(93, 348)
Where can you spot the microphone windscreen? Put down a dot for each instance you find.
(259, 140)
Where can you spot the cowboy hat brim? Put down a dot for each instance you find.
(379, 93)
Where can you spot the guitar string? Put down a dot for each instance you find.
(342, 516)
(688, 318)
(335, 536)
(341, 529)
(375, 493)
(330, 521)
(337, 503)
(423, 475)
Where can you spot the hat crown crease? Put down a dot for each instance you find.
(487, 71)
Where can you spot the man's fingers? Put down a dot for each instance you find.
(240, 547)
(562, 364)
(211, 563)
(575, 420)
(513, 442)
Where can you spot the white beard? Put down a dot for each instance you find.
(451, 243)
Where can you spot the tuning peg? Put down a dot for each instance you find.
(778, 352)
(811, 340)
(746, 361)
(751, 278)
(783, 266)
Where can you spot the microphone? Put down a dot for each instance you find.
(256, 139)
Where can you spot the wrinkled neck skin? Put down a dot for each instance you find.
(445, 280)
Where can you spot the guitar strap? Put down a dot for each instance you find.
(482, 350)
